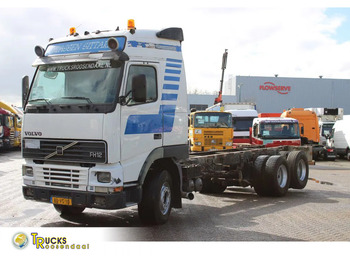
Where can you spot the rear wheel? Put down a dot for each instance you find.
(259, 177)
(277, 176)
(299, 169)
(156, 203)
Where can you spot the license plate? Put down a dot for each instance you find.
(61, 201)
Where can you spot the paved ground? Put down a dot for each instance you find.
(320, 212)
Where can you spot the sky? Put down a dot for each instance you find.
(263, 38)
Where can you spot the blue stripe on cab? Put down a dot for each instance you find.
(172, 78)
(172, 71)
(171, 87)
(173, 65)
(169, 97)
(152, 123)
(174, 60)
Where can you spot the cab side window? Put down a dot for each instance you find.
(151, 83)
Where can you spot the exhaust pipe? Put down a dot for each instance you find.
(188, 195)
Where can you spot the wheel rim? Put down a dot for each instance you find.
(282, 176)
(301, 170)
(165, 198)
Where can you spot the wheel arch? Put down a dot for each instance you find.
(166, 158)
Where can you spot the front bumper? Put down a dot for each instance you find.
(118, 200)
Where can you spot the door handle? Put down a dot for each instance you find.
(157, 136)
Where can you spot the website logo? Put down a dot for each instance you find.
(20, 240)
(283, 90)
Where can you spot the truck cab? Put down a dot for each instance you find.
(275, 131)
(242, 118)
(308, 124)
(7, 130)
(210, 130)
(17, 122)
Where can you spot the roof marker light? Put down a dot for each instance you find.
(72, 30)
(131, 24)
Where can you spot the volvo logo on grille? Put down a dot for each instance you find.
(59, 150)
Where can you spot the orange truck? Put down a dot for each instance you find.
(309, 129)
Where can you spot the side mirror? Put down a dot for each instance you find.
(302, 130)
(25, 90)
(138, 88)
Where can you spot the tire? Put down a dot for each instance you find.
(69, 210)
(209, 187)
(259, 177)
(283, 153)
(218, 189)
(277, 176)
(156, 203)
(299, 169)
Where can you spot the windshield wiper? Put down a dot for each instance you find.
(41, 99)
(78, 97)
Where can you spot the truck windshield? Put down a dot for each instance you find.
(76, 83)
(213, 120)
(327, 129)
(242, 123)
(279, 130)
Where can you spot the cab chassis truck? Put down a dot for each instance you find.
(105, 126)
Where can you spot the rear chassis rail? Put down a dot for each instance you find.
(234, 167)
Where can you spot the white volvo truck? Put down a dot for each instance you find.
(105, 126)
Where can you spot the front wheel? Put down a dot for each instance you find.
(156, 203)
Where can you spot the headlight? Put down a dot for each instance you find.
(103, 177)
(198, 143)
(27, 171)
(228, 143)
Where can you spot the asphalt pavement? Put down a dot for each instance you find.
(319, 212)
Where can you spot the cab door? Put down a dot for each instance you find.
(141, 121)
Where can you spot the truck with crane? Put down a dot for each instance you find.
(105, 126)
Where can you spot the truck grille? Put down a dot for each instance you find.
(75, 178)
(65, 150)
(213, 141)
(213, 133)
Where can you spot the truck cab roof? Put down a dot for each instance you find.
(275, 120)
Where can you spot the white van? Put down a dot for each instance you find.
(341, 136)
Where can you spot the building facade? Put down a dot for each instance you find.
(275, 94)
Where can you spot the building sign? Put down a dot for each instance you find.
(269, 86)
